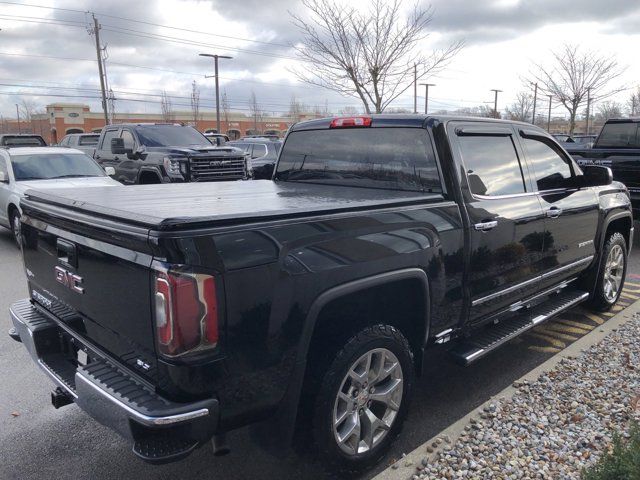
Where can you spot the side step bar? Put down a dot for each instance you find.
(490, 338)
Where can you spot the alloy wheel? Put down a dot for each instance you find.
(613, 271)
(17, 229)
(368, 401)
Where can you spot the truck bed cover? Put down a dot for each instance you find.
(178, 206)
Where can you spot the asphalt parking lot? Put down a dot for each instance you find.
(37, 441)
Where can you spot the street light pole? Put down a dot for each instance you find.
(495, 101)
(549, 116)
(18, 115)
(535, 103)
(215, 58)
(426, 96)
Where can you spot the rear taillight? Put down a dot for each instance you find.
(346, 122)
(186, 312)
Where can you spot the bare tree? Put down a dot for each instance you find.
(634, 103)
(166, 108)
(367, 55)
(195, 103)
(256, 112)
(349, 110)
(607, 110)
(296, 109)
(522, 107)
(27, 109)
(225, 107)
(575, 75)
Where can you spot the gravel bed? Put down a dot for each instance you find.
(553, 427)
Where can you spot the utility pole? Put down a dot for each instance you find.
(549, 115)
(426, 96)
(96, 32)
(18, 115)
(415, 88)
(215, 58)
(588, 108)
(495, 101)
(535, 101)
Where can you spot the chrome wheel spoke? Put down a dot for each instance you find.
(385, 395)
(613, 271)
(371, 424)
(350, 434)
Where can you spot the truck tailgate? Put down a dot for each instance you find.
(95, 279)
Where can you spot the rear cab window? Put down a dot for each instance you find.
(619, 135)
(387, 158)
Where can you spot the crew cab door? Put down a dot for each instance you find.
(571, 213)
(506, 222)
(103, 153)
(4, 193)
(129, 167)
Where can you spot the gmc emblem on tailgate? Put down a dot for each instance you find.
(68, 279)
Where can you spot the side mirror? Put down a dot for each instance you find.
(4, 178)
(110, 171)
(596, 176)
(117, 146)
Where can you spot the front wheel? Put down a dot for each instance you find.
(364, 398)
(611, 274)
(16, 227)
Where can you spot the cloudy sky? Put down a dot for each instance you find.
(47, 55)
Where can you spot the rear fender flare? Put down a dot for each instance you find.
(284, 419)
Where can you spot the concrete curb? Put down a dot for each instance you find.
(406, 466)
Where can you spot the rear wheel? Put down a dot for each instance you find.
(16, 228)
(363, 398)
(611, 275)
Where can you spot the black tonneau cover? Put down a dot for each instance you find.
(174, 206)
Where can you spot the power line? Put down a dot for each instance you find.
(148, 23)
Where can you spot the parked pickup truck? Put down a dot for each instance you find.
(617, 147)
(304, 305)
(166, 153)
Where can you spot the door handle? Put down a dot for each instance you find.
(97, 157)
(554, 212)
(485, 226)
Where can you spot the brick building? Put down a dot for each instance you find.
(64, 118)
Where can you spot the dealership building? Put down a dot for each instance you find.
(64, 118)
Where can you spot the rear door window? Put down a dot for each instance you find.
(492, 165)
(388, 158)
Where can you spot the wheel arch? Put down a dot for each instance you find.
(147, 172)
(287, 416)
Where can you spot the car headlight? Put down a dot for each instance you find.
(173, 166)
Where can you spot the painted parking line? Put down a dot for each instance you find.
(553, 336)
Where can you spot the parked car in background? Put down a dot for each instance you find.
(262, 154)
(308, 303)
(217, 138)
(617, 147)
(580, 142)
(86, 142)
(24, 168)
(166, 153)
(270, 137)
(22, 140)
(562, 137)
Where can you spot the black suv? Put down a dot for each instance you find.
(166, 153)
(262, 154)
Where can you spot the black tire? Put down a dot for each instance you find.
(14, 219)
(602, 299)
(376, 340)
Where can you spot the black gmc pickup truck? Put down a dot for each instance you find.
(617, 147)
(148, 153)
(303, 305)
